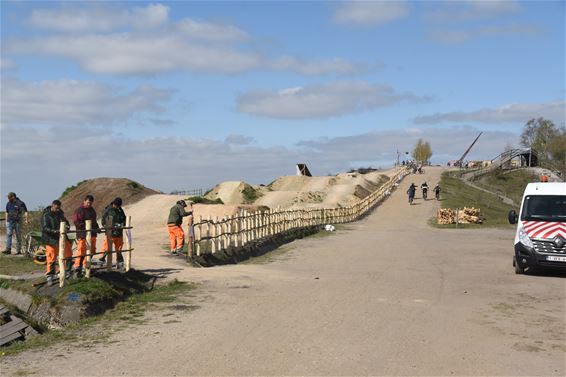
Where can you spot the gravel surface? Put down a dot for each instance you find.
(387, 295)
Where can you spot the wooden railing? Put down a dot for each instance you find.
(216, 235)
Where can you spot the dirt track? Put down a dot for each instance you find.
(386, 296)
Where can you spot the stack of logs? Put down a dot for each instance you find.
(466, 216)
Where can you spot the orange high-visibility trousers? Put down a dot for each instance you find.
(117, 243)
(176, 237)
(52, 253)
(81, 251)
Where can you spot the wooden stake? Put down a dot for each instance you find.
(128, 243)
(62, 254)
(109, 242)
(88, 227)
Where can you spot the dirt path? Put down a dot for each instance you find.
(385, 296)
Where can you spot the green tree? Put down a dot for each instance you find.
(539, 134)
(557, 149)
(422, 152)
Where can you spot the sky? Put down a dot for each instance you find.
(184, 95)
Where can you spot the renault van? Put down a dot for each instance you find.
(540, 240)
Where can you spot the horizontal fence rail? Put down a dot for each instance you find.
(217, 235)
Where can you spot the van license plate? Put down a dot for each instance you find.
(555, 259)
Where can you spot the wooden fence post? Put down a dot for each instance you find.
(88, 227)
(62, 239)
(128, 243)
(211, 234)
(108, 242)
(198, 238)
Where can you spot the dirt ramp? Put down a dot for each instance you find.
(233, 192)
(104, 191)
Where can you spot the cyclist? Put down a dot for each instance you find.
(424, 188)
(411, 192)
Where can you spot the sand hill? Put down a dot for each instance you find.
(104, 191)
(301, 191)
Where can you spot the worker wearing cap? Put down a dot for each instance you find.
(80, 216)
(176, 234)
(51, 219)
(118, 216)
(15, 210)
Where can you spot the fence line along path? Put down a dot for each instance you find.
(229, 234)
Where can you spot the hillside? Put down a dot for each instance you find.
(104, 191)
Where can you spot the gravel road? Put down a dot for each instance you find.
(388, 295)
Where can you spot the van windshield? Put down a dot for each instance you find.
(544, 208)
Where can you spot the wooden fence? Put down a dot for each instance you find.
(126, 249)
(212, 236)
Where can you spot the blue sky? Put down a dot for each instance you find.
(181, 95)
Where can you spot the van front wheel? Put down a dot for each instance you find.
(518, 269)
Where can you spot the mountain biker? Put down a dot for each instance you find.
(424, 188)
(437, 191)
(411, 192)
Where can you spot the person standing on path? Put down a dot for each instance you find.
(174, 222)
(15, 210)
(82, 214)
(50, 221)
(114, 211)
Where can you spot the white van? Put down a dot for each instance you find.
(540, 240)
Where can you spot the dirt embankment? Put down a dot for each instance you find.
(301, 191)
(104, 191)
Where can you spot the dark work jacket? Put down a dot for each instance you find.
(176, 215)
(14, 210)
(118, 219)
(50, 222)
(80, 217)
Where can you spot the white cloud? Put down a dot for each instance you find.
(6, 64)
(322, 101)
(107, 39)
(321, 67)
(205, 163)
(67, 102)
(370, 13)
(512, 113)
(459, 11)
(236, 139)
(91, 18)
(208, 31)
(461, 36)
(127, 53)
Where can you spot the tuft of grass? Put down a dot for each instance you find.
(250, 195)
(457, 194)
(203, 200)
(134, 185)
(71, 188)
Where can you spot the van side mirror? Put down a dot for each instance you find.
(512, 217)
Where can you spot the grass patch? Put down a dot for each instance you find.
(457, 194)
(203, 200)
(17, 265)
(250, 195)
(134, 185)
(507, 183)
(71, 188)
(95, 329)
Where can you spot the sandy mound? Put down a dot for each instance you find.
(235, 192)
(151, 213)
(104, 191)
